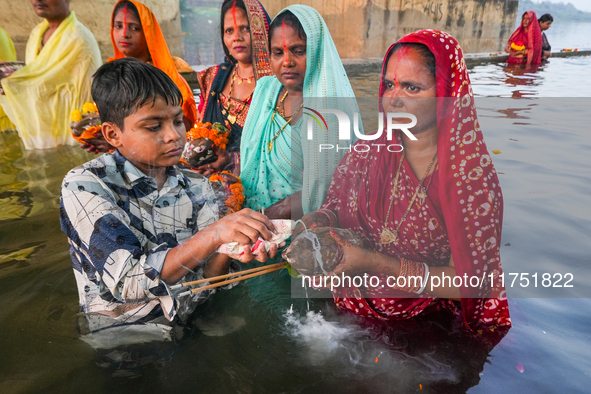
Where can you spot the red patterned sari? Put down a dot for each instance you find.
(214, 106)
(531, 38)
(460, 213)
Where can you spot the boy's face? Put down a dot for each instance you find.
(152, 137)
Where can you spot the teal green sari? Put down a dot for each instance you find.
(294, 163)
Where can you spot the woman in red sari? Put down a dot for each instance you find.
(525, 44)
(434, 207)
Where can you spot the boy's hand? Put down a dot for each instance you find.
(261, 256)
(245, 227)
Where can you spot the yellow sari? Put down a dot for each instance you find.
(56, 79)
(7, 54)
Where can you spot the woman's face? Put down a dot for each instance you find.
(409, 87)
(288, 57)
(129, 35)
(525, 21)
(545, 25)
(237, 35)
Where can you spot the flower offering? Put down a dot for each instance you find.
(201, 140)
(228, 191)
(86, 123)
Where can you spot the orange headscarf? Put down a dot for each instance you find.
(160, 55)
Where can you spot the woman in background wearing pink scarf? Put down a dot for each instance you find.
(525, 44)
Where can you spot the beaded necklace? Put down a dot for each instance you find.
(227, 110)
(282, 114)
(387, 235)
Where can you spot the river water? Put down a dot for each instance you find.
(257, 339)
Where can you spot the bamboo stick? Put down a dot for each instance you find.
(238, 279)
(220, 277)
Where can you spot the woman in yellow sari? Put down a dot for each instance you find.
(61, 56)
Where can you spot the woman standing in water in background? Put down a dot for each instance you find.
(227, 89)
(545, 22)
(525, 44)
(433, 209)
(281, 170)
(135, 32)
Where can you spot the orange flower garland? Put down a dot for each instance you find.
(216, 133)
(90, 132)
(235, 197)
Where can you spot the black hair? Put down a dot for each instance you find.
(546, 18)
(130, 7)
(422, 49)
(227, 6)
(121, 87)
(291, 20)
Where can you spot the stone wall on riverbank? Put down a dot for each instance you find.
(18, 19)
(366, 28)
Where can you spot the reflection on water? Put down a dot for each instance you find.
(544, 170)
(559, 77)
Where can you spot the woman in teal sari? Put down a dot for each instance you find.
(281, 169)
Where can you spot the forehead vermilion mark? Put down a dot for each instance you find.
(125, 11)
(400, 53)
(234, 17)
(285, 58)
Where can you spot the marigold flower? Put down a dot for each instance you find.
(76, 115)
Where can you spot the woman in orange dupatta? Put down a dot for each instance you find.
(135, 32)
(126, 36)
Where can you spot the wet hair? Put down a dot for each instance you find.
(121, 87)
(546, 18)
(422, 49)
(227, 6)
(290, 20)
(130, 7)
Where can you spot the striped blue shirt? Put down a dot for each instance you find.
(120, 229)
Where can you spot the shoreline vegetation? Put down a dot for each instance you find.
(563, 12)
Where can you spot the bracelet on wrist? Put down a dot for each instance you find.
(328, 214)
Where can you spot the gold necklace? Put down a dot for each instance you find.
(240, 79)
(288, 121)
(227, 110)
(388, 236)
(282, 127)
(280, 104)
